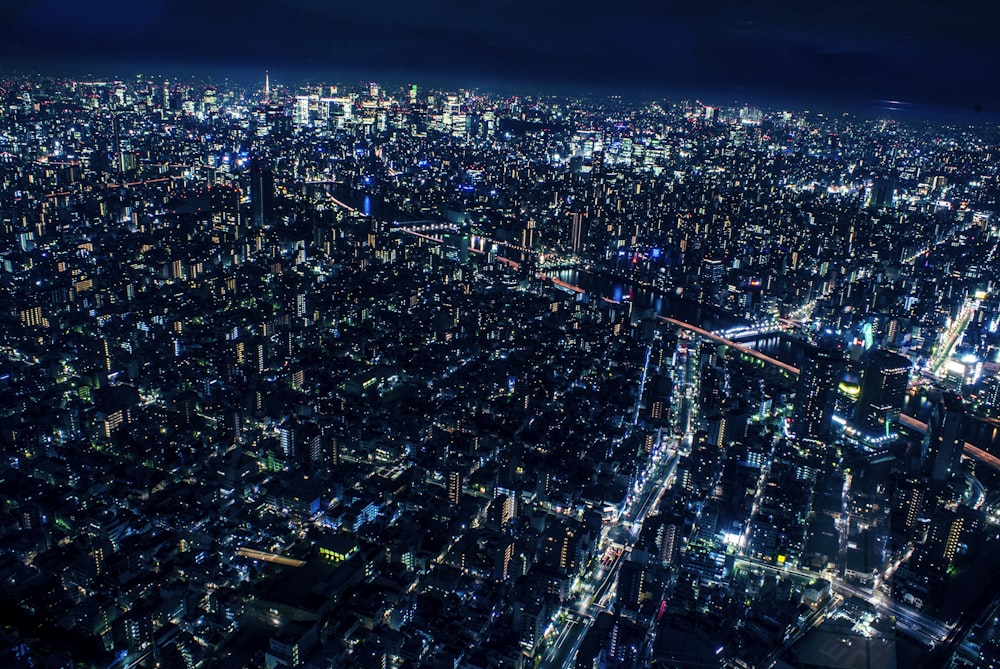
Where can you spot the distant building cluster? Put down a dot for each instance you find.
(358, 377)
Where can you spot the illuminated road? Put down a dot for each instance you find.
(929, 630)
(660, 471)
(571, 633)
(952, 336)
(563, 652)
(642, 387)
(268, 557)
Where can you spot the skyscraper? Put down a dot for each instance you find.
(883, 389)
(577, 232)
(261, 193)
(816, 394)
(944, 441)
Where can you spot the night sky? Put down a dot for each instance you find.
(850, 53)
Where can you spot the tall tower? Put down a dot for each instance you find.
(261, 193)
(577, 232)
(883, 389)
(119, 156)
(944, 442)
(267, 87)
(816, 394)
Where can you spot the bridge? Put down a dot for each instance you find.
(732, 344)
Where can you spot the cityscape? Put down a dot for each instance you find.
(322, 375)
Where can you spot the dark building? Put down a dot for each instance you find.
(631, 581)
(908, 504)
(883, 192)
(945, 438)
(816, 394)
(261, 193)
(883, 389)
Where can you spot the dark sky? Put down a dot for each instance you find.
(846, 52)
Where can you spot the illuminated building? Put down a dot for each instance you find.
(714, 270)
(907, 504)
(816, 394)
(882, 390)
(560, 548)
(300, 113)
(337, 548)
(454, 487)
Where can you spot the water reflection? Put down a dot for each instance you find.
(979, 432)
(663, 304)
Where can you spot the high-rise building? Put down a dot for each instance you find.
(714, 270)
(631, 581)
(261, 193)
(816, 394)
(454, 486)
(300, 111)
(577, 232)
(944, 441)
(948, 530)
(883, 389)
(559, 548)
(669, 537)
(907, 504)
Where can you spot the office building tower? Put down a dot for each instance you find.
(883, 389)
(261, 193)
(300, 113)
(119, 154)
(816, 394)
(944, 441)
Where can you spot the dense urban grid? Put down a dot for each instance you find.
(327, 376)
